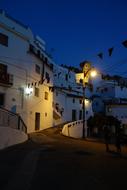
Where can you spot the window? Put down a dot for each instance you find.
(109, 109)
(73, 115)
(66, 77)
(73, 100)
(38, 53)
(80, 114)
(4, 39)
(3, 69)
(37, 69)
(80, 101)
(87, 112)
(46, 95)
(37, 92)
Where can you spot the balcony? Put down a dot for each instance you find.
(57, 112)
(6, 80)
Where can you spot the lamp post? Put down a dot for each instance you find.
(84, 114)
(87, 71)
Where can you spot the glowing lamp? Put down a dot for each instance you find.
(29, 91)
(93, 73)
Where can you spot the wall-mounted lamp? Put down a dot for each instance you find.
(29, 91)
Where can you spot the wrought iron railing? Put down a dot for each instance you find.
(10, 119)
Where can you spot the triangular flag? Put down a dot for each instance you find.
(100, 55)
(110, 50)
(124, 43)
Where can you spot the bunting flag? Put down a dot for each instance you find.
(110, 50)
(100, 55)
(41, 81)
(30, 85)
(124, 43)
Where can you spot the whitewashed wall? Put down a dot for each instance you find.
(9, 137)
(120, 92)
(67, 98)
(73, 129)
(21, 63)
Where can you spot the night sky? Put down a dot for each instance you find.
(77, 30)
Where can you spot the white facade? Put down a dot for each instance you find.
(108, 91)
(41, 92)
(73, 129)
(31, 69)
(68, 96)
(120, 92)
(111, 89)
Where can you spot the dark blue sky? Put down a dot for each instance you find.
(77, 29)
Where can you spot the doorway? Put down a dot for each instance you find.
(37, 121)
(73, 115)
(2, 99)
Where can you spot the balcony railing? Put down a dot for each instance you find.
(6, 79)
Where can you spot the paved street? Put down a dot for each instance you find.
(49, 160)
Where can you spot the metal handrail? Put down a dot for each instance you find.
(12, 120)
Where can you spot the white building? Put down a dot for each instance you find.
(31, 84)
(26, 74)
(108, 91)
(68, 97)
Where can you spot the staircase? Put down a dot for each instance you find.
(12, 120)
(12, 129)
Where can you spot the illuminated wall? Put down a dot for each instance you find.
(27, 68)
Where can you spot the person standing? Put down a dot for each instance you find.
(107, 137)
(118, 141)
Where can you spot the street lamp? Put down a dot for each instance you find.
(87, 71)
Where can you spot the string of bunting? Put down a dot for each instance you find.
(35, 83)
(110, 50)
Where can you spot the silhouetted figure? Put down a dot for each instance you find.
(107, 136)
(118, 142)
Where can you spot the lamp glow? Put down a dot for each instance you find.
(86, 102)
(29, 91)
(93, 73)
